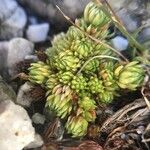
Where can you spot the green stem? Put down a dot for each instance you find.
(95, 57)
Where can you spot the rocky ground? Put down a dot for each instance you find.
(26, 28)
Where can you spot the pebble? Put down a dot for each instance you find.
(38, 118)
(24, 97)
(31, 57)
(37, 32)
(119, 43)
(13, 19)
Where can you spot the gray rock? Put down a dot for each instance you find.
(117, 5)
(13, 19)
(133, 14)
(32, 20)
(7, 7)
(130, 21)
(38, 142)
(119, 43)
(24, 97)
(3, 55)
(144, 35)
(37, 32)
(48, 9)
(18, 49)
(16, 130)
(38, 118)
(13, 52)
(6, 92)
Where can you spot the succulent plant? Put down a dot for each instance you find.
(77, 126)
(129, 76)
(39, 72)
(76, 82)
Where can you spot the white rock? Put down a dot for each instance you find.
(38, 32)
(119, 43)
(38, 118)
(16, 130)
(18, 48)
(36, 143)
(23, 97)
(14, 20)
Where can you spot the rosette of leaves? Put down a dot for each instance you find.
(74, 80)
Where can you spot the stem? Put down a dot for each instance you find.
(95, 57)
